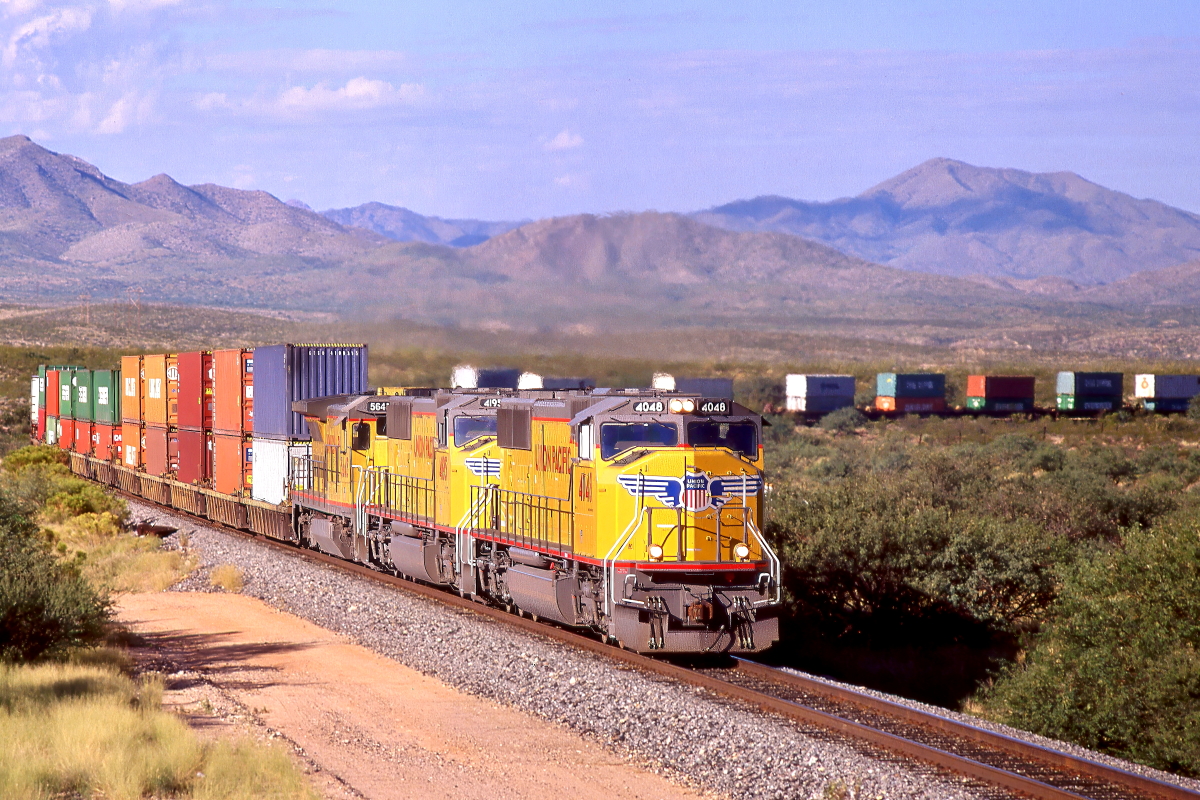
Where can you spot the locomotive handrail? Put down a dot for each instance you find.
(609, 565)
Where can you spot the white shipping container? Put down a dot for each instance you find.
(34, 388)
(271, 461)
(663, 382)
(819, 405)
(820, 386)
(1166, 387)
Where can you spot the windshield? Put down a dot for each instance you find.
(617, 437)
(740, 437)
(469, 428)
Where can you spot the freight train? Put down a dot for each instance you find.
(634, 513)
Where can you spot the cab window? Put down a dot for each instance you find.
(468, 429)
(617, 437)
(740, 437)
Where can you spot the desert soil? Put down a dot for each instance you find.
(363, 726)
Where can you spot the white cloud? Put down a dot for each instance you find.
(138, 5)
(358, 93)
(565, 140)
(14, 7)
(316, 60)
(37, 32)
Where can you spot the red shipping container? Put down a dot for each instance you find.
(1001, 387)
(193, 457)
(210, 403)
(154, 440)
(52, 392)
(131, 445)
(102, 441)
(911, 405)
(190, 367)
(131, 388)
(41, 428)
(172, 389)
(233, 391)
(173, 450)
(116, 443)
(83, 437)
(231, 456)
(66, 434)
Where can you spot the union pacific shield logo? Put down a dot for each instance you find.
(695, 492)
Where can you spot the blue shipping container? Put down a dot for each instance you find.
(919, 384)
(287, 372)
(1097, 384)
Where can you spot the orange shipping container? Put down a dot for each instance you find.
(910, 405)
(102, 441)
(66, 434)
(154, 386)
(231, 456)
(131, 389)
(131, 445)
(233, 391)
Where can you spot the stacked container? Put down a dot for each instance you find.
(106, 414)
(132, 398)
(819, 393)
(194, 416)
(1089, 391)
(81, 406)
(910, 393)
(233, 420)
(1166, 392)
(284, 373)
(52, 406)
(1000, 393)
(66, 408)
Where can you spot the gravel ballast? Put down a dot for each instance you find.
(678, 730)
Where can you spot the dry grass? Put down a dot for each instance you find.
(85, 729)
(117, 561)
(228, 577)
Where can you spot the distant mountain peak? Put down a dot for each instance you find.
(951, 217)
(403, 225)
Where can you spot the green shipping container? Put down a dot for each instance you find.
(81, 406)
(66, 393)
(999, 405)
(1088, 403)
(42, 386)
(106, 390)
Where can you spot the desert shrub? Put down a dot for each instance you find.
(760, 393)
(1118, 667)
(844, 420)
(75, 497)
(1193, 411)
(45, 606)
(33, 455)
(227, 576)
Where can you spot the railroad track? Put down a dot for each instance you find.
(984, 757)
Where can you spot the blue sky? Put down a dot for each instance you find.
(520, 110)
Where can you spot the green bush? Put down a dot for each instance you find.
(45, 606)
(1194, 408)
(33, 455)
(1118, 667)
(844, 420)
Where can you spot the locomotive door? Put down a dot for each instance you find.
(583, 490)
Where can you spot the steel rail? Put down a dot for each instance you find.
(865, 734)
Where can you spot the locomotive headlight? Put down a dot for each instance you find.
(655, 552)
(741, 550)
(689, 406)
(676, 406)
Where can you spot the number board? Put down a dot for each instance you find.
(714, 407)
(490, 402)
(377, 407)
(649, 407)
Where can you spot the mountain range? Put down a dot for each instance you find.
(67, 229)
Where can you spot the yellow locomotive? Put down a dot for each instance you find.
(634, 513)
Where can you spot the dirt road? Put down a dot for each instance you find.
(370, 727)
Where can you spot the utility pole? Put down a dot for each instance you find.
(87, 307)
(135, 299)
